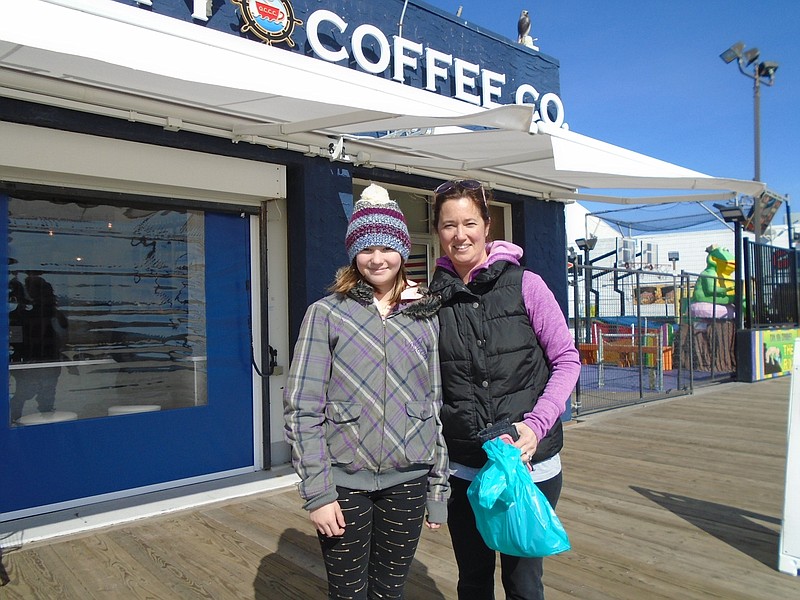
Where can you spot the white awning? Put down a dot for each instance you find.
(108, 58)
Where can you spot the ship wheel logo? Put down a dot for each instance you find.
(271, 20)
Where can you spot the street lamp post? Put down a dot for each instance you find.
(763, 72)
(587, 245)
(732, 213)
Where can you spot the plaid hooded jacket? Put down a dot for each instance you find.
(362, 401)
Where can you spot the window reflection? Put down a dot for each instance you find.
(106, 310)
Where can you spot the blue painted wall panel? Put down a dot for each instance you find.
(58, 462)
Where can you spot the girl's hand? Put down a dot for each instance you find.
(328, 519)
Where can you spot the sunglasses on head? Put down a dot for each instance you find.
(463, 184)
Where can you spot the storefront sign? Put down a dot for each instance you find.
(472, 83)
(365, 46)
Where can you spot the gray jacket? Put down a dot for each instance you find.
(362, 401)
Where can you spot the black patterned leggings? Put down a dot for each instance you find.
(373, 557)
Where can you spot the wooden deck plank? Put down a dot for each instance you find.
(679, 498)
(153, 564)
(44, 576)
(211, 553)
(275, 534)
(664, 544)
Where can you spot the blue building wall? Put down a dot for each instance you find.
(320, 196)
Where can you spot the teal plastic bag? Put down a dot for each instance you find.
(511, 512)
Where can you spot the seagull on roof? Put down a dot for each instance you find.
(523, 27)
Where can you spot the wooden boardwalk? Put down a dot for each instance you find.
(678, 499)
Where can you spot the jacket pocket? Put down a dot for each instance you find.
(341, 430)
(420, 432)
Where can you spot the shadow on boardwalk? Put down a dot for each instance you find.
(680, 498)
(724, 522)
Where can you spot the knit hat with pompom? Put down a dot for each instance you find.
(377, 221)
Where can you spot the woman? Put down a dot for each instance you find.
(506, 353)
(362, 410)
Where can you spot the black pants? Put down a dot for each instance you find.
(373, 557)
(522, 577)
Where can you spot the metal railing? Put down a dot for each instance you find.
(641, 339)
(772, 298)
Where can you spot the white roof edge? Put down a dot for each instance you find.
(193, 48)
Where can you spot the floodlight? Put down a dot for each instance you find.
(767, 69)
(730, 213)
(751, 56)
(733, 52)
(586, 243)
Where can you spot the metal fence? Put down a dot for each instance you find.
(771, 296)
(640, 339)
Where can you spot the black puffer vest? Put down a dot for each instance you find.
(492, 364)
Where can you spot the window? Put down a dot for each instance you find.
(106, 309)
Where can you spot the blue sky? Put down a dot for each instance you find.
(647, 76)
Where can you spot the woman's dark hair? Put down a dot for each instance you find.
(462, 188)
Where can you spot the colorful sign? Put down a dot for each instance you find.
(769, 205)
(270, 20)
(773, 352)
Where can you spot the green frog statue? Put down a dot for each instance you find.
(714, 292)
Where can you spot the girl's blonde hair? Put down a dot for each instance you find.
(348, 277)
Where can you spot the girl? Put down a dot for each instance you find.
(361, 409)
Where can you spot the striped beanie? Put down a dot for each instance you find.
(377, 221)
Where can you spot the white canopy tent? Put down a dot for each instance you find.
(120, 61)
(580, 223)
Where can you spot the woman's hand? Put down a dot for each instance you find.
(430, 525)
(328, 519)
(527, 442)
